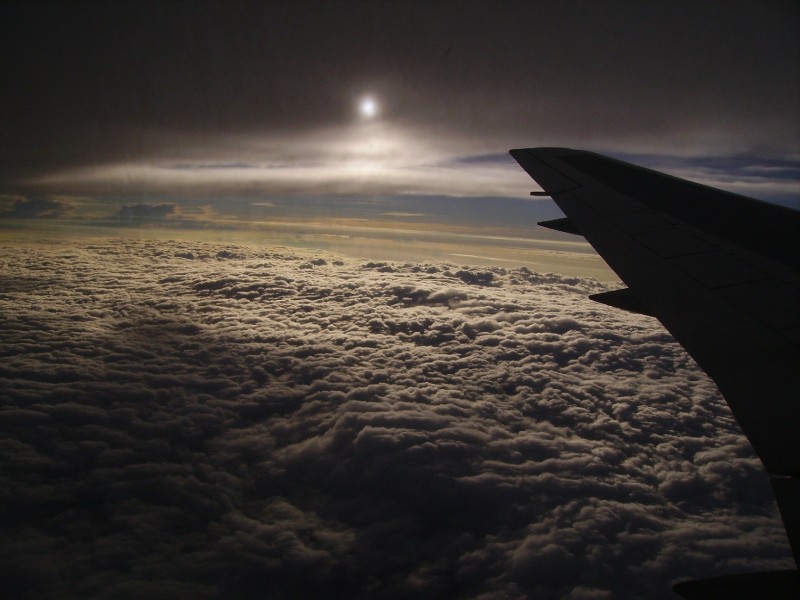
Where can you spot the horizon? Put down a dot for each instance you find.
(381, 116)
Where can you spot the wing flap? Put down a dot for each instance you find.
(562, 225)
(624, 299)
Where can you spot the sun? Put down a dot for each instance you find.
(368, 107)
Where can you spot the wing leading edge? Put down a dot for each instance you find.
(719, 270)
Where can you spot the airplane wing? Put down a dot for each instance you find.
(720, 271)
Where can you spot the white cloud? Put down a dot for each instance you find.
(218, 420)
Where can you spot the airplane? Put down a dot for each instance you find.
(720, 272)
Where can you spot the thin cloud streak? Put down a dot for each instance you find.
(379, 158)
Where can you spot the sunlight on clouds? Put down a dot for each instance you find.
(355, 176)
(369, 157)
(363, 157)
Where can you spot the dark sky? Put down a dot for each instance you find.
(135, 85)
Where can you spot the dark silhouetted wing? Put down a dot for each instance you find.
(719, 270)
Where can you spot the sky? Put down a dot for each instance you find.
(261, 339)
(226, 111)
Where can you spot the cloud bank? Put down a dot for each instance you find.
(199, 420)
(388, 159)
(38, 207)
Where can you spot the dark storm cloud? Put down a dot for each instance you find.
(100, 83)
(212, 421)
(142, 210)
(38, 207)
(158, 214)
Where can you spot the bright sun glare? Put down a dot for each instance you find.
(368, 107)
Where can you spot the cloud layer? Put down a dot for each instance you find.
(212, 421)
(37, 207)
